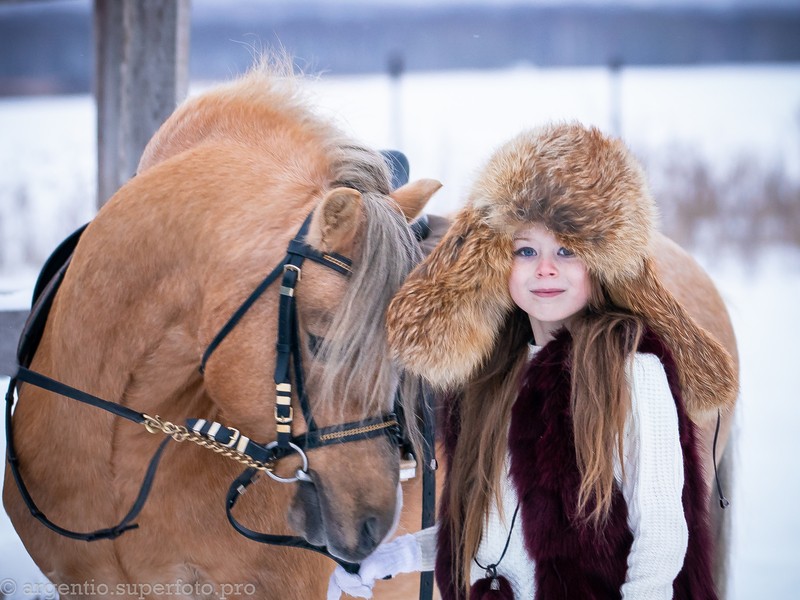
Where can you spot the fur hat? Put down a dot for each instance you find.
(591, 193)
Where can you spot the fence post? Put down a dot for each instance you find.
(141, 73)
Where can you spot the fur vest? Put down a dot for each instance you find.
(571, 560)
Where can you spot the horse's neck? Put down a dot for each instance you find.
(155, 376)
(129, 317)
(123, 331)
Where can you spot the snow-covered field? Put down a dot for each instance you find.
(448, 123)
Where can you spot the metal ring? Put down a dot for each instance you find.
(304, 468)
(303, 476)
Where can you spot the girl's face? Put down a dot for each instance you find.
(547, 281)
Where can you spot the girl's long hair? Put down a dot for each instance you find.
(604, 340)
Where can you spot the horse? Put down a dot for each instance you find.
(143, 319)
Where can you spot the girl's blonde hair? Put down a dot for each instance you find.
(604, 340)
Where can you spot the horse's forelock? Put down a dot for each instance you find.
(357, 349)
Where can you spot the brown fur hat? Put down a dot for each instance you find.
(592, 194)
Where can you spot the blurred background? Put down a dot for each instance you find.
(705, 92)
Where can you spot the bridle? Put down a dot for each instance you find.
(226, 441)
(289, 362)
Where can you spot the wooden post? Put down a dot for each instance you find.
(141, 73)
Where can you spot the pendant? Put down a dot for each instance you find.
(494, 587)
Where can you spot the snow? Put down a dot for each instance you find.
(766, 551)
(448, 124)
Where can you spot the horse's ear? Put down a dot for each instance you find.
(412, 197)
(336, 220)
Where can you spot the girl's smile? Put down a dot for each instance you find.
(547, 293)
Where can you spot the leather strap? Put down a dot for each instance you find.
(238, 488)
(108, 533)
(426, 579)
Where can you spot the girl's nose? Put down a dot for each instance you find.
(546, 268)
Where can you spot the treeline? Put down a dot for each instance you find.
(746, 207)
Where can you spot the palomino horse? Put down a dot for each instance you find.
(221, 189)
(692, 286)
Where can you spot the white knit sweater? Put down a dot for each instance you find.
(652, 490)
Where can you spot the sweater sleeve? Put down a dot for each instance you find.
(426, 538)
(652, 484)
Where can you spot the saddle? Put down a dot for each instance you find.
(44, 291)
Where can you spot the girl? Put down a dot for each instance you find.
(572, 461)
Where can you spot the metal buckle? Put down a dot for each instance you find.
(235, 435)
(284, 420)
(293, 268)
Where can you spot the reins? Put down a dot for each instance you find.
(27, 376)
(228, 441)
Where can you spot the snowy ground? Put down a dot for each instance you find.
(447, 124)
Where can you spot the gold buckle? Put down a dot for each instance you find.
(281, 419)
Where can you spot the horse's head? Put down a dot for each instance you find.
(348, 500)
(353, 500)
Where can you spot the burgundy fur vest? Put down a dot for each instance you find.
(571, 561)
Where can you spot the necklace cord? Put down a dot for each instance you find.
(491, 570)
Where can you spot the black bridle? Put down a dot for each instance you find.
(222, 439)
(289, 362)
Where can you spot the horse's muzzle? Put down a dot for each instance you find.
(350, 533)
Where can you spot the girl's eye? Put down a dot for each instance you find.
(525, 251)
(564, 252)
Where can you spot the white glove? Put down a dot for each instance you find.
(401, 555)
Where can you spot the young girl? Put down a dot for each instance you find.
(572, 373)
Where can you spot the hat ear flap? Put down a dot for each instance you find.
(444, 321)
(706, 371)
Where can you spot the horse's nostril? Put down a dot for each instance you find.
(370, 535)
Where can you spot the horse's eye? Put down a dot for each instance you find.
(315, 343)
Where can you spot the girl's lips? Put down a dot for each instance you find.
(547, 293)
